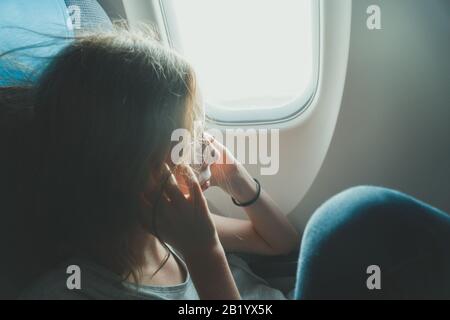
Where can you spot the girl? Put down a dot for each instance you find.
(110, 195)
(114, 204)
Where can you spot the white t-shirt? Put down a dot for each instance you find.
(100, 283)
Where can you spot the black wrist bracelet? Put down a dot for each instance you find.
(249, 203)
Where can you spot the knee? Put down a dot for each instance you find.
(356, 206)
(364, 198)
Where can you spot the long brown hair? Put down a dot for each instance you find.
(104, 111)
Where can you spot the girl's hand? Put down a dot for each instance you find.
(184, 222)
(182, 219)
(225, 166)
(228, 173)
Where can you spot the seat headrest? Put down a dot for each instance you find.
(32, 32)
(90, 15)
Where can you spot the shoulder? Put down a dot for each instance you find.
(52, 286)
(91, 282)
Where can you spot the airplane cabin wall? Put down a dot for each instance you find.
(393, 129)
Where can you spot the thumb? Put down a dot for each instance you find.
(195, 190)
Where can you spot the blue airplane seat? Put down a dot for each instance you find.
(32, 32)
(92, 15)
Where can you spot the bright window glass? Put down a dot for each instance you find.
(252, 56)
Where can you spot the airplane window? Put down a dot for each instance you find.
(258, 57)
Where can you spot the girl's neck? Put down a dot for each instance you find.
(154, 254)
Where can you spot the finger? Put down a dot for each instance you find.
(206, 185)
(211, 155)
(195, 189)
(188, 175)
(208, 137)
(171, 188)
(218, 153)
(213, 141)
(199, 198)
